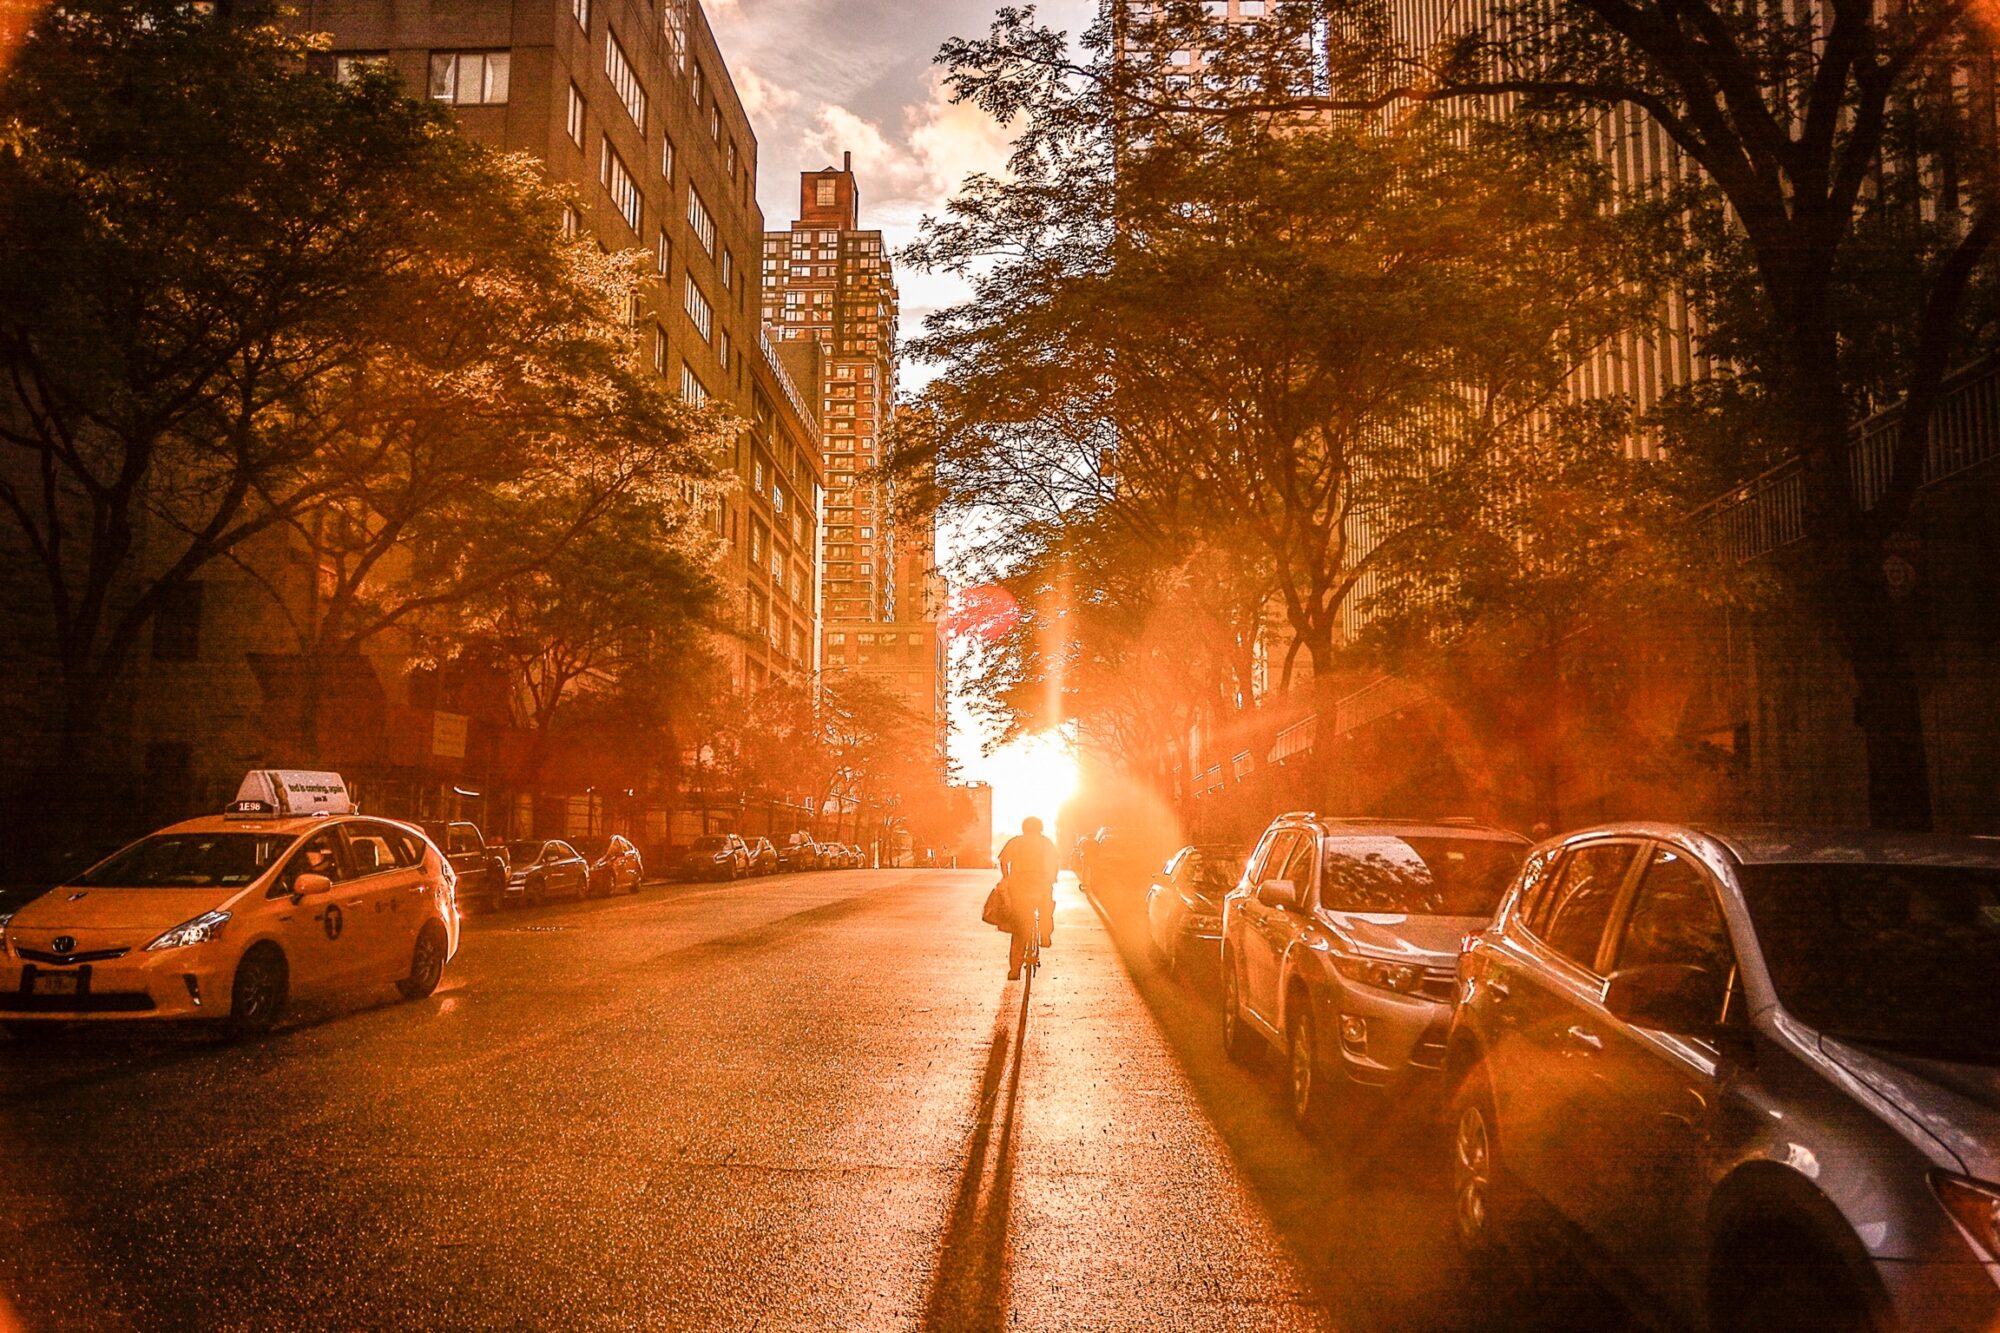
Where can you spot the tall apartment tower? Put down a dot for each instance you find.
(828, 282)
(630, 102)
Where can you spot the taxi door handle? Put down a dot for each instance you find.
(356, 902)
(1584, 1039)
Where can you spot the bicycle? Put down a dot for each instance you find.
(1031, 959)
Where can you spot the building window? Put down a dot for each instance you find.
(623, 80)
(659, 349)
(728, 270)
(663, 254)
(722, 347)
(667, 160)
(673, 21)
(575, 125)
(177, 624)
(691, 386)
(572, 223)
(580, 9)
(347, 68)
(703, 224)
(624, 190)
(715, 122)
(469, 78)
(823, 190)
(730, 158)
(698, 309)
(697, 84)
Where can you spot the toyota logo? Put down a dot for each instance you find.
(64, 944)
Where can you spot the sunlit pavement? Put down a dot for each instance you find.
(803, 1102)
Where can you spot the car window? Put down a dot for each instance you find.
(1676, 922)
(524, 853)
(463, 839)
(317, 855)
(403, 849)
(188, 861)
(1298, 866)
(369, 849)
(561, 851)
(1271, 854)
(1571, 917)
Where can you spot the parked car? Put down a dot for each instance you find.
(547, 868)
(717, 856)
(799, 852)
(1340, 946)
(481, 867)
(1116, 859)
(615, 866)
(1758, 1069)
(763, 857)
(1184, 906)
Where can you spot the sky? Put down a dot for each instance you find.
(823, 77)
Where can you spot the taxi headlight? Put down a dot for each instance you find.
(198, 931)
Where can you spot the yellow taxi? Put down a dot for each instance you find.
(289, 893)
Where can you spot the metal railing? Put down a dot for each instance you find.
(1769, 512)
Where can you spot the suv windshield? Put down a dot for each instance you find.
(189, 861)
(1903, 956)
(1442, 876)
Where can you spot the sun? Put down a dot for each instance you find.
(1032, 775)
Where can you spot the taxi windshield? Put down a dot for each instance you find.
(188, 861)
(525, 853)
(1418, 876)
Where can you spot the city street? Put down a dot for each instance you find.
(802, 1102)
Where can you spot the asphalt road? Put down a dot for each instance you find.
(805, 1102)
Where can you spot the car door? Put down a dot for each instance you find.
(391, 886)
(1547, 1035)
(568, 872)
(1658, 1108)
(319, 954)
(1268, 926)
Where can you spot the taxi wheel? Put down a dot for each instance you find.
(257, 997)
(426, 964)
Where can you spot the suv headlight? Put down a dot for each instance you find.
(201, 930)
(1975, 1206)
(1402, 978)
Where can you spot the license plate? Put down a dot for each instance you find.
(57, 983)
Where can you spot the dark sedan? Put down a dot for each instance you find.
(545, 869)
(1184, 906)
(717, 856)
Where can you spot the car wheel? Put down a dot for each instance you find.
(35, 1032)
(257, 996)
(1305, 1080)
(1484, 1210)
(1773, 1276)
(426, 963)
(1238, 1042)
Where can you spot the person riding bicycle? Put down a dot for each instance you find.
(1028, 868)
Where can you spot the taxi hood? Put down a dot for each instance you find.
(68, 908)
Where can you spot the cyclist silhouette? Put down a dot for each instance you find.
(1028, 868)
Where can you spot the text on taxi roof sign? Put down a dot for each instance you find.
(279, 793)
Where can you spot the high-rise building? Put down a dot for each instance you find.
(630, 102)
(832, 284)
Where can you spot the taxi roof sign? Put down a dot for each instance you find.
(288, 793)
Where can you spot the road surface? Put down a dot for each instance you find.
(812, 1102)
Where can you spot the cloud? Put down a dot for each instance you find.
(761, 97)
(922, 165)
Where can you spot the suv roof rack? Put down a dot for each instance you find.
(1299, 814)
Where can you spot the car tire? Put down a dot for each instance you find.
(34, 1031)
(427, 961)
(1307, 1085)
(1239, 1043)
(258, 994)
(1775, 1275)
(1485, 1206)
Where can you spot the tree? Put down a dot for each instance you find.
(1849, 153)
(1246, 335)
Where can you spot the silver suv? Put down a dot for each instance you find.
(1760, 1069)
(1340, 945)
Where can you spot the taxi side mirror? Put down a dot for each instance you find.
(310, 885)
(1278, 893)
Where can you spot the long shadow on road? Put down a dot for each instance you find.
(969, 1288)
(1364, 1209)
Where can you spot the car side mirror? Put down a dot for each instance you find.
(1685, 1001)
(1278, 893)
(311, 886)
